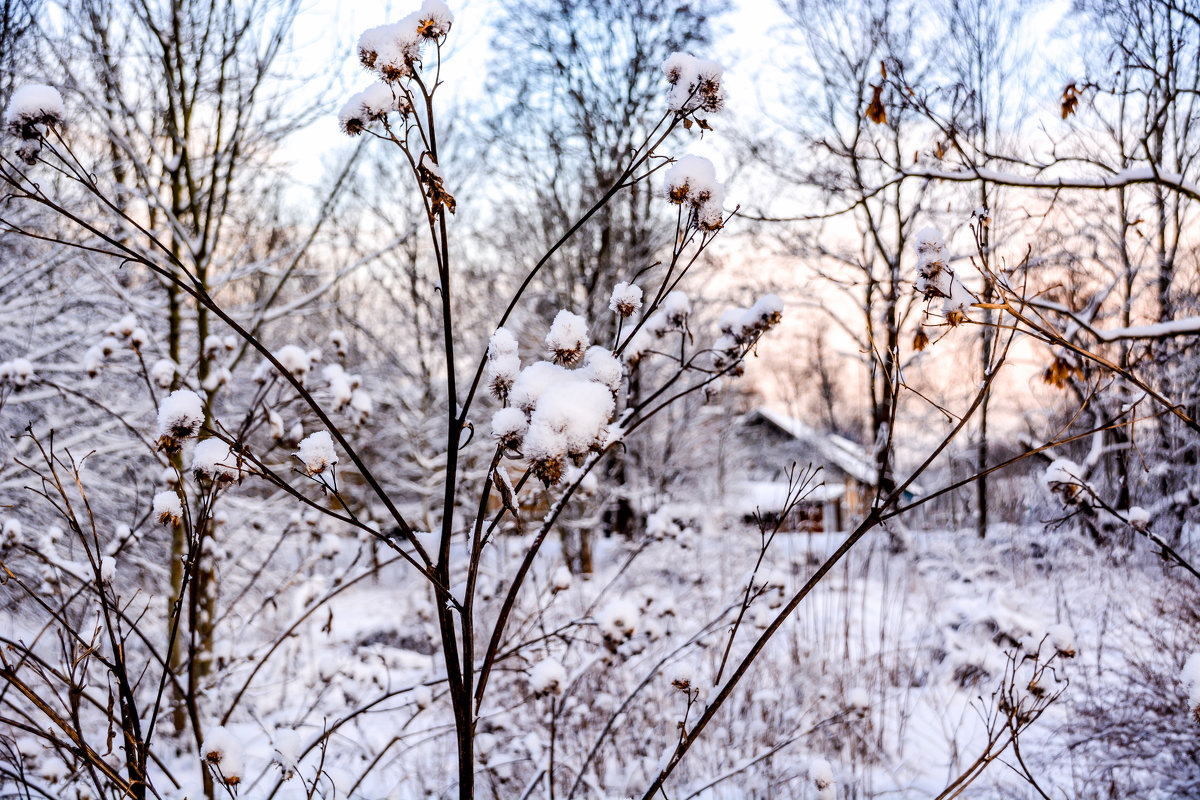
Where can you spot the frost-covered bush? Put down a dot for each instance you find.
(262, 493)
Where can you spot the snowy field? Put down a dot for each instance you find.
(892, 671)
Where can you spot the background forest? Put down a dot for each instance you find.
(598, 398)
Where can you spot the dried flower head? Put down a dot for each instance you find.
(168, 509)
(568, 338)
(33, 107)
(547, 470)
(626, 299)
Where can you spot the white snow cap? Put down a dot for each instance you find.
(603, 367)
(934, 277)
(858, 698)
(533, 380)
(316, 451)
(294, 360)
(560, 581)
(503, 364)
(618, 621)
(502, 343)
(18, 372)
(692, 181)
(33, 104)
(167, 508)
(568, 338)
(637, 345)
(1063, 473)
(287, 751)
(108, 569)
(820, 772)
(213, 459)
(390, 51)
(370, 105)
(1062, 639)
(744, 324)
(626, 299)
(162, 373)
(93, 360)
(695, 84)
(275, 424)
(341, 385)
(568, 420)
(548, 677)
(435, 19)
(1139, 517)
(179, 417)
(509, 425)
(676, 307)
(223, 752)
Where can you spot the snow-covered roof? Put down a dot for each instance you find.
(750, 496)
(838, 451)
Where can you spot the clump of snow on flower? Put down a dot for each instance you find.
(391, 51)
(509, 426)
(214, 460)
(560, 581)
(1062, 639)
(295, 360)
(532, 381)
(603, 367)
(568, 338)
(548, 677)
(618, 622)
(676, 307)
(626, 299)
(568, 419)
(820, 772)
(695, 84)
(162, 373)
(692, 182)
(1065, 478)
(108, 569)
(31, 108)
(167, 508)
(1139, 517)
(317, 453)
(740, 327)
(18, 372)
(341, 385)
(936, 279)
(10, 532)
(223, 754)
(503, 363)
(180, 415)
(933, 276)
(372, 104)
(287, 752)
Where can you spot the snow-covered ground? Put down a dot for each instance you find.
(892, 671)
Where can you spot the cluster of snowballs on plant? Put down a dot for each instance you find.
(558, 410)
(695, 84)
(32, 109)
(555, 410)
(692, 184)
(16, 373)
(936, 279)
(392, 53)
(180, 416)
(346, 391)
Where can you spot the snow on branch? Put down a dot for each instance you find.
(1115, 180)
